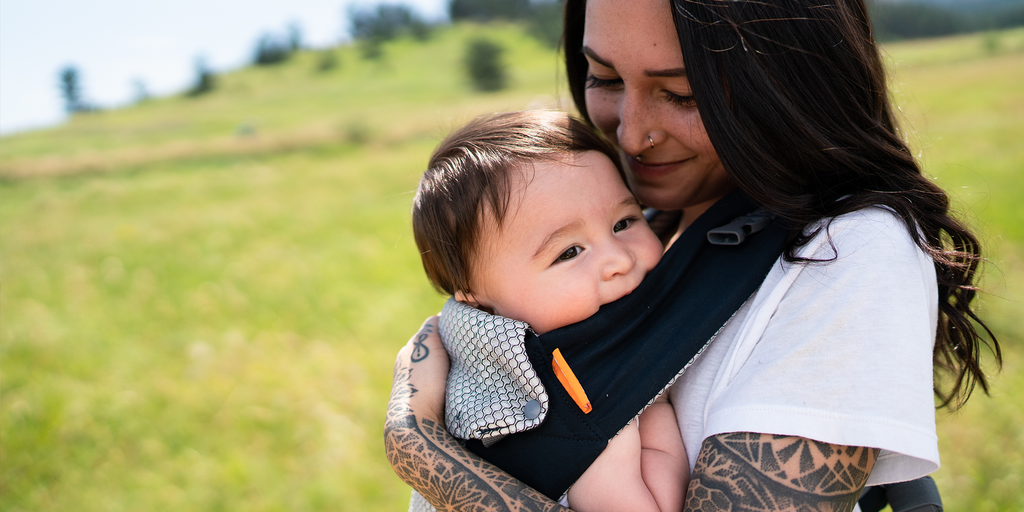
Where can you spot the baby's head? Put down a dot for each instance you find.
(527, 215)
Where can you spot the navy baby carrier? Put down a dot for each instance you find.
(632, 349)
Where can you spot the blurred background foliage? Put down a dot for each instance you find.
(202, 295)
(908, 19)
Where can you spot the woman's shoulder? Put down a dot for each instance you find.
(870, 219)
(875, 229)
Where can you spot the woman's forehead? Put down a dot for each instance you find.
(630, 31)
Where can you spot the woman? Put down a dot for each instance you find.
(822, 382)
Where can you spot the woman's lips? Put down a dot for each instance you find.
(652, 170)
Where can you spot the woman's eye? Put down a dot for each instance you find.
(594, 82)
(681, 101)
(570, 253)
(622, 224)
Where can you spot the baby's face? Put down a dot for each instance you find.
(574, 239)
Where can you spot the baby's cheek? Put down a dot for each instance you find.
(656, 258)
(568, 311)
(651, 253)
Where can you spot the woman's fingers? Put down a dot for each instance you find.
(422, 364)
(424, 454)
(424, 350)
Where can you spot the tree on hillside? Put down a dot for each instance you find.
(327, 60)
(384, 22)
(294, 36)
(141, 90)
(487, 10)
(543, 18)
(373, 26)
(71, 89)
(271, 49)
(485, 65)
(205, 79)
(929, 18)
(1000, 17)
(910, 20)
(545, 21)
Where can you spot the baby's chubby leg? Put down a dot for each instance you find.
(634, 473)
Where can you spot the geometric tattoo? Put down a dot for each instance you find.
(447, 475)
(736, 472)
(755, 472)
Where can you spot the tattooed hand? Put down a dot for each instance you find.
(425, 353)
(422, 452)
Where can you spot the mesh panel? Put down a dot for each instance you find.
(418, 503)
(492, 388)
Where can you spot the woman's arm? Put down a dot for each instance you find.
(422, 452)
(753, 472)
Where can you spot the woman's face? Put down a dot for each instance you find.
(637, 88)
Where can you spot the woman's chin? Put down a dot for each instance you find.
(653, 196)
(668, 197)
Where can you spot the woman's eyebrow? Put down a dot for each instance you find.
(666, 73)
(595, 57)
(658, 73)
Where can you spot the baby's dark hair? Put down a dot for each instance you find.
(469, 173)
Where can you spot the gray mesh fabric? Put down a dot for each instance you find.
(417, 503)
(492, 388)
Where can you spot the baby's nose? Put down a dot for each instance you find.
(619, 260)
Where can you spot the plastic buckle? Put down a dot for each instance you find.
(735, 232)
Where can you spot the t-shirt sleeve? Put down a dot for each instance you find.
(841, 351)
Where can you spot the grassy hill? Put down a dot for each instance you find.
(201, 298)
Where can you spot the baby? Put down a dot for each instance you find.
(526, 215)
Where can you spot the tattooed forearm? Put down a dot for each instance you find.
(759, 472)
(426, 457)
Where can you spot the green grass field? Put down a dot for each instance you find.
(196, 318)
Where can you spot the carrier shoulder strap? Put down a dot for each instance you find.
(633, 349)
(920, 495)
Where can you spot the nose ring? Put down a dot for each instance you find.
(651, 140)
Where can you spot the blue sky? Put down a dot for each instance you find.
(117, 42)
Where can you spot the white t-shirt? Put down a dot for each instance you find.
(839, 352)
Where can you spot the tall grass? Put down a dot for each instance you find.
(197, 317)
(963, 99)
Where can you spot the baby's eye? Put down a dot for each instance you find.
(622, 224)
(569, 253)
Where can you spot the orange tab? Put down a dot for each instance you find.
(569, 382)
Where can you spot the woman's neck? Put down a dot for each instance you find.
(690, 214)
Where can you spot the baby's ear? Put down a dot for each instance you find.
(469, 300)
(466, 298)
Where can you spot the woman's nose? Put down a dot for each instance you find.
(635, 121)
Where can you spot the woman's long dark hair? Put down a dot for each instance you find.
(794, 100)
